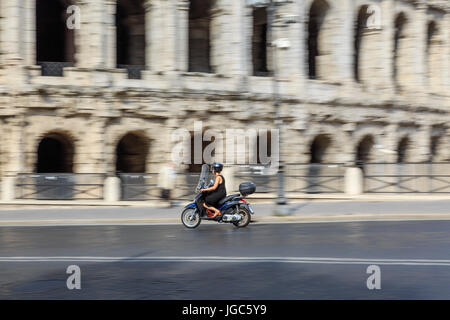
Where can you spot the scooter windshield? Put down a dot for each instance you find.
(204, 176)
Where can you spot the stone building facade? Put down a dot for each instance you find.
(364, 80)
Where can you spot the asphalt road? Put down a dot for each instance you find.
(262, 261)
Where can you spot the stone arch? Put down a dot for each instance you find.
(433, 56)
(199, 36)
(130, 36)
(401, 60)
(403, 149)
(317, 38)
(55, 153)
(131, 153)
(319, 148)
(55, 43)
(364, 150)
(360, 26)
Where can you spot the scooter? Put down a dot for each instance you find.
(234, 208)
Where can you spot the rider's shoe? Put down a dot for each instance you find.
(216, 214)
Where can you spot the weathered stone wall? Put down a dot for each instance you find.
(94, 105)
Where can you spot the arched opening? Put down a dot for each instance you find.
(55, 154)
(433, 56)
(402, 150)
(259, 42)
(130, 36)
(131, 154)
(400, 53)
(317, 13)
(55, 42)
(364, 150)
(318, 148)
(360, 27)
(434, 148)
(199, 36)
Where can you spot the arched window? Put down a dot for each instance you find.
(130, 36)
(433, 57)
(131, 154)
(360, 27)
(259, 42)
(400, 58)
(199, 36)
(55, 42)
(317, 13)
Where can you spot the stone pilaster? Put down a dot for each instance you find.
(344, 39)
(419, 42)
(387, 45)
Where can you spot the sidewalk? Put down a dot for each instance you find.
(53, 213)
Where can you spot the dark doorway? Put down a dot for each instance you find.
(363, 152)
(402, 150)
(319, 147)
(131, 154)
(55, 155)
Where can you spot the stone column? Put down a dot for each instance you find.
(99, 18)
(29, 33)
(418, 45)
(15, 156)
(227, 37)
(181, 32)
(344, 40)
(150, 34)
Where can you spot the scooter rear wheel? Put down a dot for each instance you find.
(245, 218)
(190, 218)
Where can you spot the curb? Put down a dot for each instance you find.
(259, 220)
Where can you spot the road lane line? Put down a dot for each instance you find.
(214, 259)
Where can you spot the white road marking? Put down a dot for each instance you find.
(214, 259)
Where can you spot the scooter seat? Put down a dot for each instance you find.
(227, 198)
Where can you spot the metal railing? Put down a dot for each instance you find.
(53, 69)
(139, 186)
(431, 177)
(134, 71)
(60, 186)
(314, 177)
(298, 177)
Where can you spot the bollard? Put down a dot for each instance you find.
(8, 188)
(112, 189)
(354, 181)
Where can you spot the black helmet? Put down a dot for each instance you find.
(217, 167)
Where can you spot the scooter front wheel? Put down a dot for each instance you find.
(190, 218)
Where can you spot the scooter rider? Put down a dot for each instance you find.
(217, 192)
